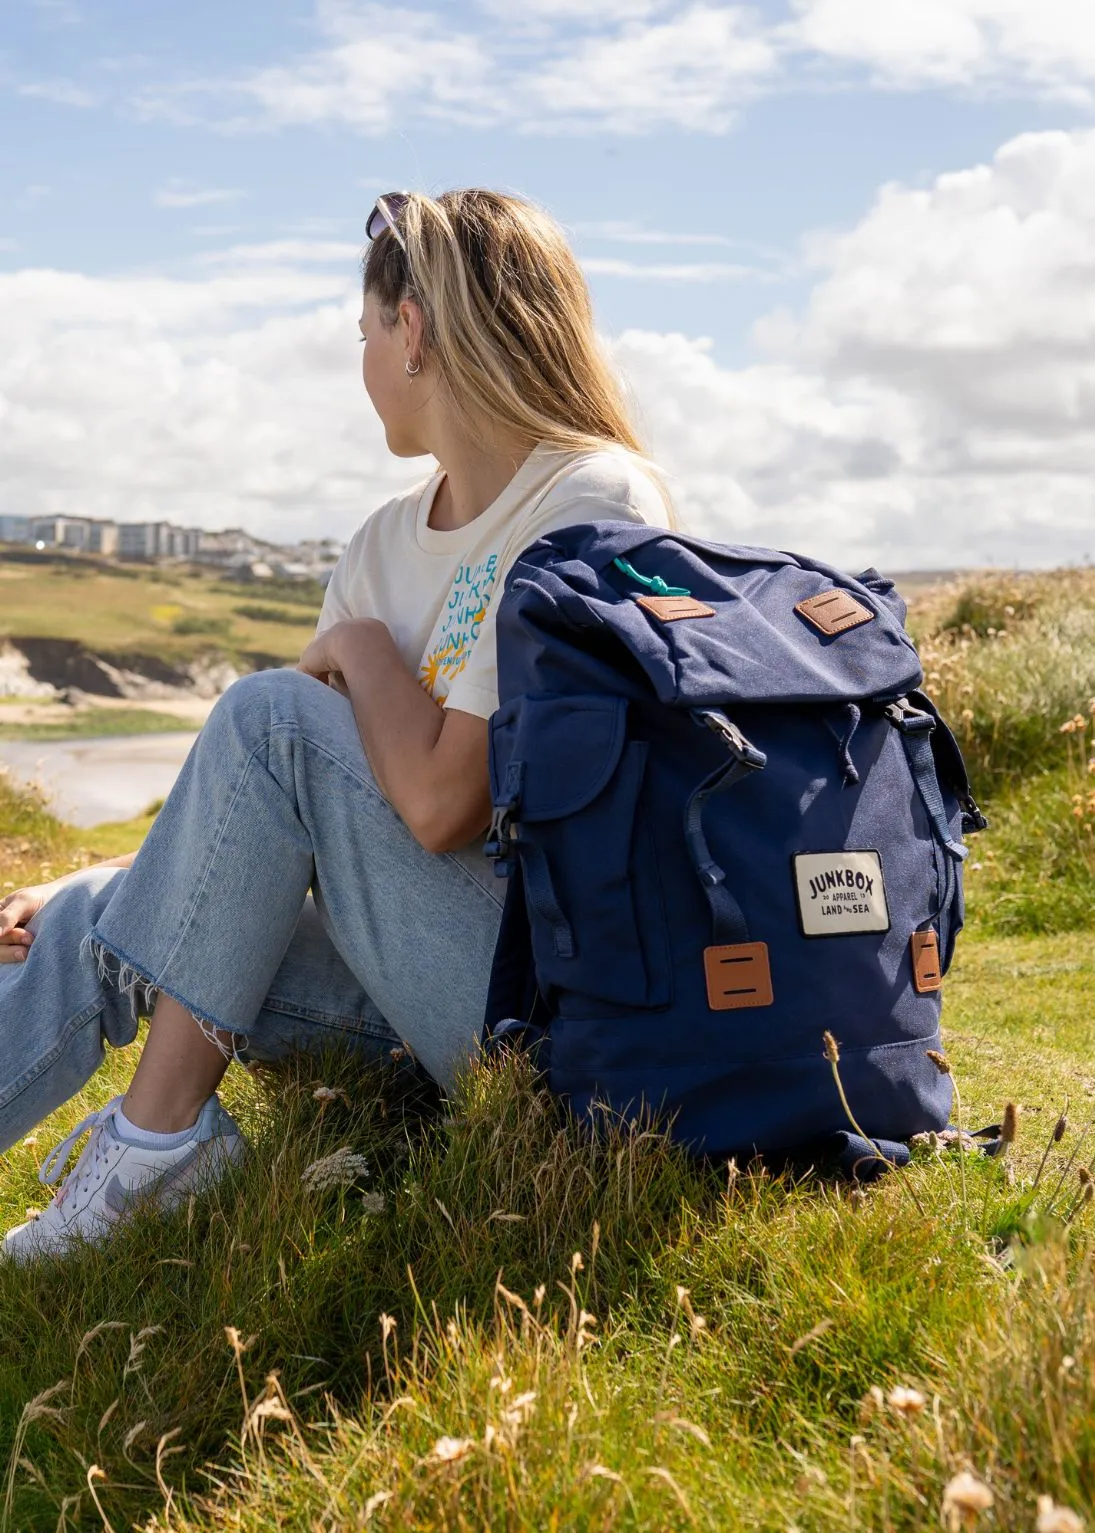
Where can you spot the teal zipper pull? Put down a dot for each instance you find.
(653, 583)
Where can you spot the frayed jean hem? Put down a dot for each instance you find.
(129, 978)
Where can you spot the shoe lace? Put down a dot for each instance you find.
(54, 1164)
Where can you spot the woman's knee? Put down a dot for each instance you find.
(263, 699)
(80, 901)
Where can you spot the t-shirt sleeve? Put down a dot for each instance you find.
(348, 590)
(475, 689)
(337, 604)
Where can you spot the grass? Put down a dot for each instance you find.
(492, 1323)
(95, 723)
(176, 616)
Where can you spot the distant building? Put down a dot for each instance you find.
(239, 554)
(102, 538)
(60, 531)
(138, 540)
(14, 529)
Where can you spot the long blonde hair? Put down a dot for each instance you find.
(508, 319)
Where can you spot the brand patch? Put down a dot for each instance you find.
(840, 893)
(833, 612)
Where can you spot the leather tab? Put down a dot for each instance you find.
(738, 975)
(668, 609)
(924, 947)
(834, 612)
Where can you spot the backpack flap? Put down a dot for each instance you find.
(709, 625)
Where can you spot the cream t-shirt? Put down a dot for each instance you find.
(435, 590)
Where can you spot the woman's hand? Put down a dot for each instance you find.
(325, 655)
(15, 911)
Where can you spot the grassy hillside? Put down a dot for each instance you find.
(490, 1323)
(173, 615)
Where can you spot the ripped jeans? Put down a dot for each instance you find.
(391, 946)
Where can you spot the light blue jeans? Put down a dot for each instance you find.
(392, 946)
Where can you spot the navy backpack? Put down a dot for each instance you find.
(730, 823)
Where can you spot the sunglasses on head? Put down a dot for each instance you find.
(384, 215)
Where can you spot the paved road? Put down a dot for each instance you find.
(90, 781)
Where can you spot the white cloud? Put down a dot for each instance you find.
(936, 403)
(693, 71)
(1045, 46)
(666, 271)
(233, 400)
(377, 66)
(377, 57)
(623, 232)
(58, 92)
(933, 405)
(588, 13)
(177, 194)
(287, 253)
(634, 66)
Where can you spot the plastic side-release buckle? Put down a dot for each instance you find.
(731, 736)
(910, 720)
(504, 831)
(502, 839)
(972, 818)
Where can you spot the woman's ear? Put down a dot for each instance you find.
(412, 317)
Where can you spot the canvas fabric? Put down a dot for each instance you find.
(682, 778)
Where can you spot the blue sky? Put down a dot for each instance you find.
(721, 169)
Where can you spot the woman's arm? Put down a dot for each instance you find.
(430, 764)
(18, 908)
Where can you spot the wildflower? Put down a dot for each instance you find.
(907, 1402)
(832, 1049)
(449, 1450)
(339, 1169)
(1056, 1519)
(872, 1403)
(964, 1498)
(373, 1203)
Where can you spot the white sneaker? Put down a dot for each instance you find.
(111, 1176)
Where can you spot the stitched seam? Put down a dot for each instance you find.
(28, 1078)
(192, 907)
(349, 1021)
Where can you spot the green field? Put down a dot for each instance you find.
(170, 614)
(95, 723)
(501, 1325)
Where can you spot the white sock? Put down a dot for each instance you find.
(129, 1133)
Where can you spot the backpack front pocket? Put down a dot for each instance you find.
(574, 784)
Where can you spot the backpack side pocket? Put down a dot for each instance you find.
(575, 782)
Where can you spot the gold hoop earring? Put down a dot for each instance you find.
(412, 372)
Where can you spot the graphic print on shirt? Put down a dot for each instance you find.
(458, 626)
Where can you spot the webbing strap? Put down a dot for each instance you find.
(915, 729)
(542, 898)
(863, 1160)
(727, 922)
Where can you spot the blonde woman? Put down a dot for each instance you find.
(316, 874)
